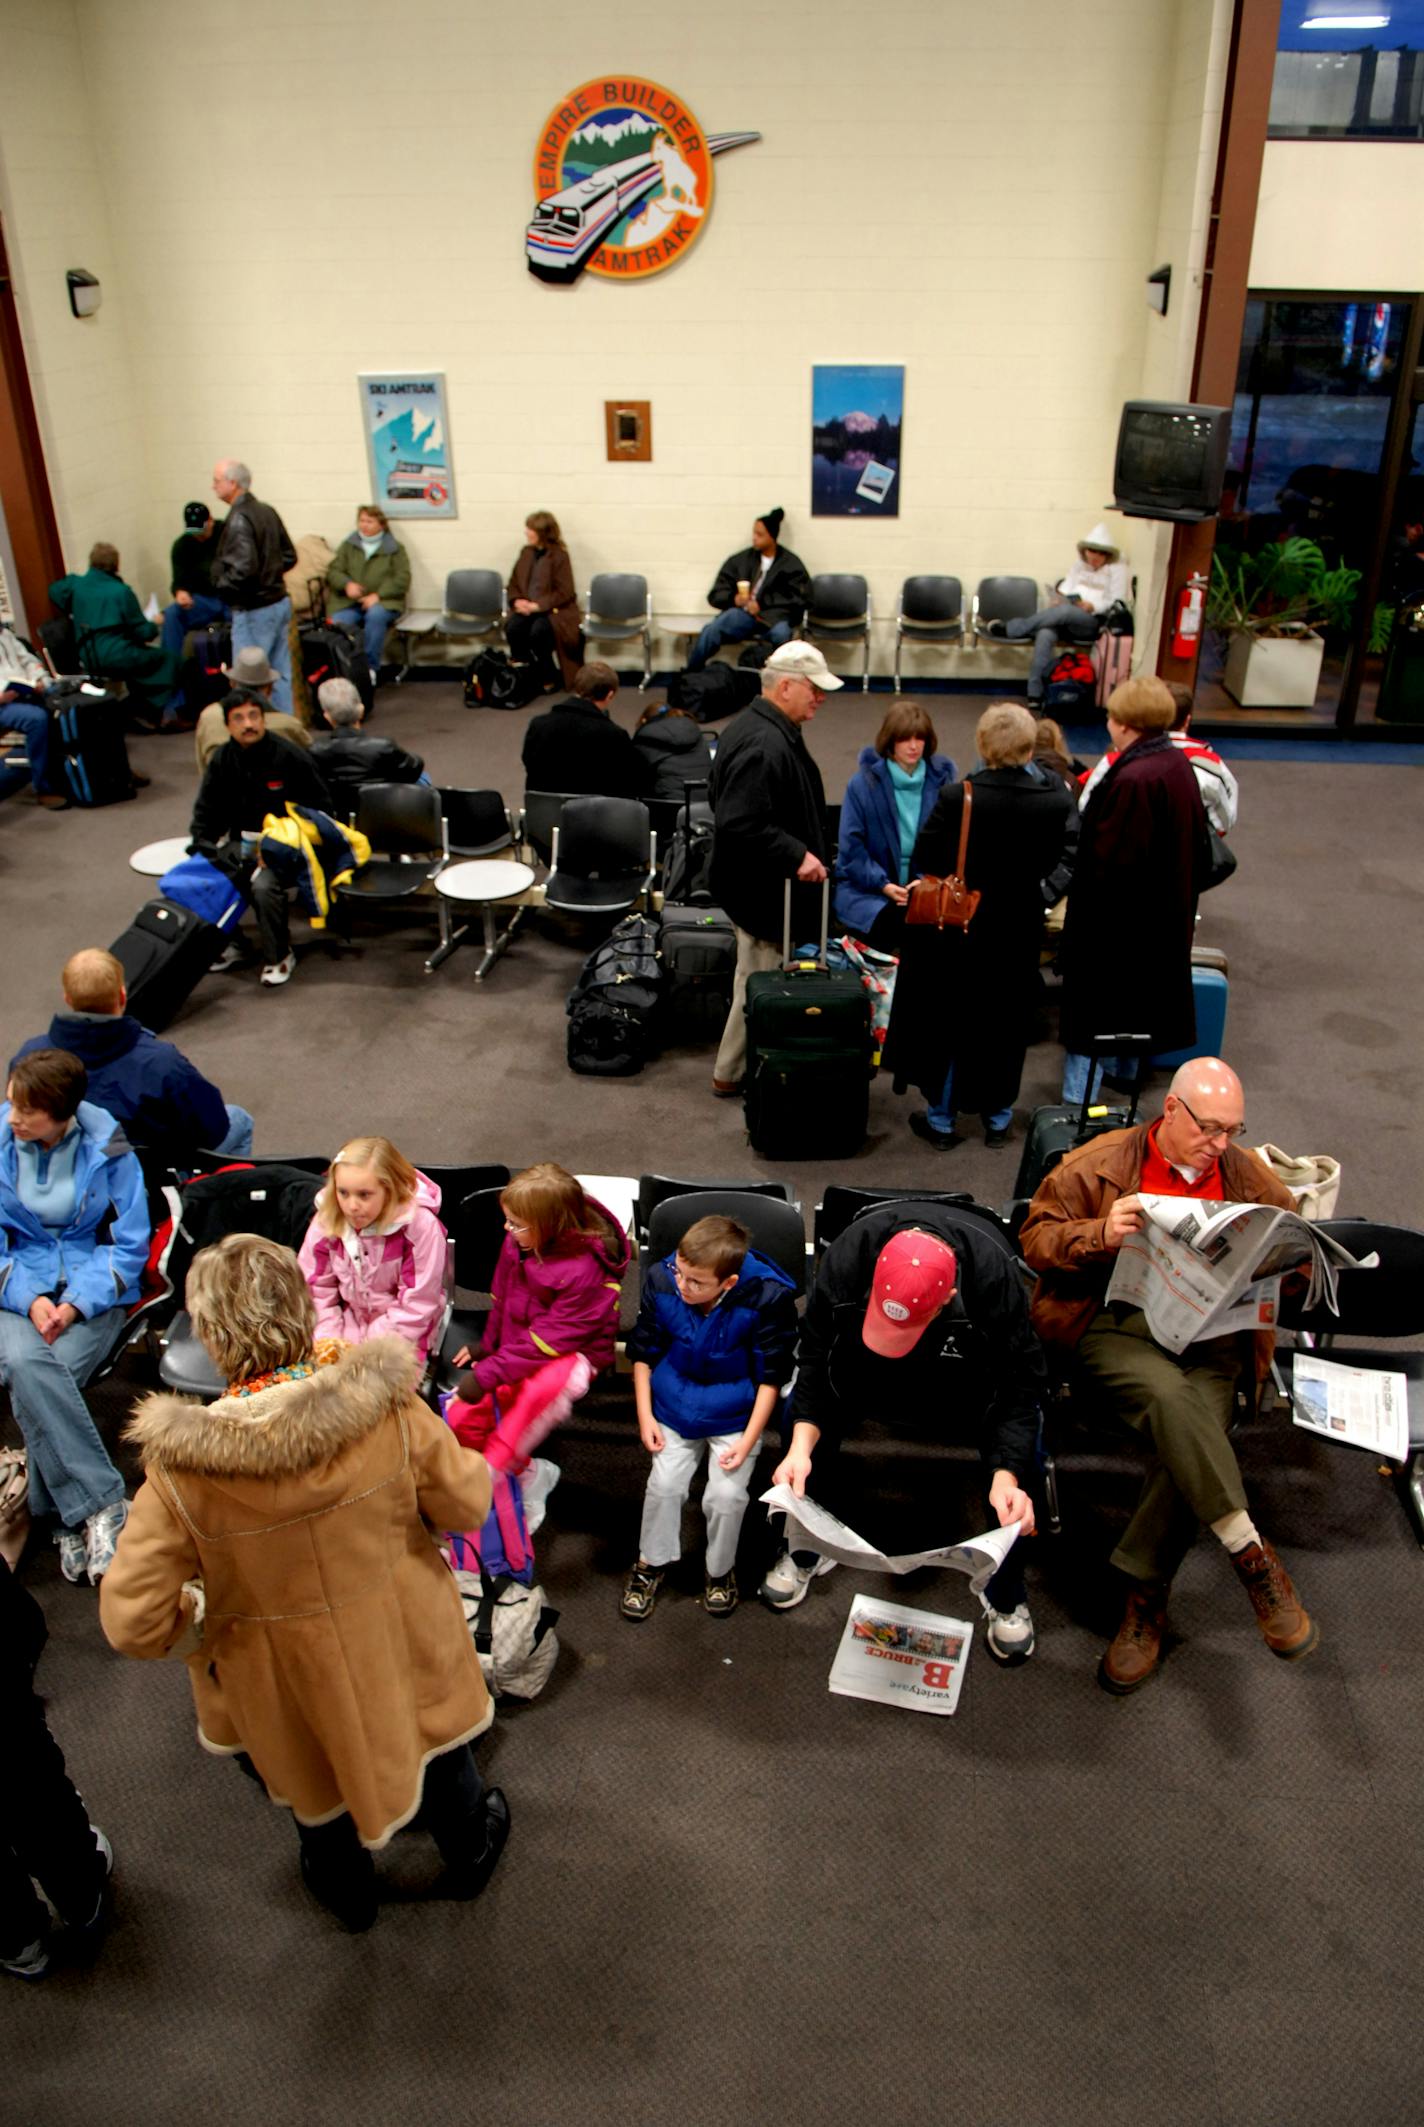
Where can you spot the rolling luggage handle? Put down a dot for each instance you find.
(1113, 1045)
(822, 962)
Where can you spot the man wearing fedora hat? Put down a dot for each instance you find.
(249, 674)
(769, 809)
(1099, 578)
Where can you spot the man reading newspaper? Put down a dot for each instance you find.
(1180, 1401)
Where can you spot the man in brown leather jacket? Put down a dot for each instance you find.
(1180, 1403)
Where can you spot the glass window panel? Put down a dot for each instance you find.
(1344, 82)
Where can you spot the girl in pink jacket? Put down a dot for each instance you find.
(375, 1252)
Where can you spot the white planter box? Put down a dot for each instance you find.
(1274, 672)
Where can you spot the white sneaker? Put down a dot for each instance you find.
(788, 1580)
(73, 1555)
(1008, 1634)
(101, 1534)
(536, 1483)
(282, 972)
(230, 957)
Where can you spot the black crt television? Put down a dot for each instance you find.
(1171, 460)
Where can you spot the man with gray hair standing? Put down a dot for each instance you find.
(349, 756)
(254, 554)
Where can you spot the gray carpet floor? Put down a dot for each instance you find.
(730, 1896)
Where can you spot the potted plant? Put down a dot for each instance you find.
(1272, 604)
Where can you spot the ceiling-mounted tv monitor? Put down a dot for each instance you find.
(1171, 460)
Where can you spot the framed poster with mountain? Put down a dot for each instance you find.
(408, 444)
(857, 415)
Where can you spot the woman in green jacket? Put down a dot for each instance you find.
(114, 639)
(368, 581)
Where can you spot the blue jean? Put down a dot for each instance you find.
(265, 628)
(942, 1113)
(736, 625)
(238, 1142)
(204, 612)
(1048, 629)
(374, 623)
(70, 1471)
(32, 722)
(1075, 1074)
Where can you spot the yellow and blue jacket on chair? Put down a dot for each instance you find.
(312, 852)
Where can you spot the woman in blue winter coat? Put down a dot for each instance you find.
(889, 798)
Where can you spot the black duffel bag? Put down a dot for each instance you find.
(721, 690)
(492, 682)
(613, 1007)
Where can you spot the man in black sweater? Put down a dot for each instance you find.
(252, 775)
(576, 746)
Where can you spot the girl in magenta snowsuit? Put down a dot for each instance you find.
(375, 1252)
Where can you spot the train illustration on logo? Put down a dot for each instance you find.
(569, 225)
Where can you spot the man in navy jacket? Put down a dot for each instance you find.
(162, 1101)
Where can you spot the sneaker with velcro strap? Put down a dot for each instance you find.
(640, 1592)
(786, 1583)
(1008, 1634)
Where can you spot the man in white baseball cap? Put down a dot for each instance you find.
(769, 807)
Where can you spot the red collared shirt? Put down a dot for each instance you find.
(1160, 1178)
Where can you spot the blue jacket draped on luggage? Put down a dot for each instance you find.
(708, 1367)
(869, 855)
(98, 1257)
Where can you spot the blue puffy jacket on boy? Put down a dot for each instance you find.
(707, 1368)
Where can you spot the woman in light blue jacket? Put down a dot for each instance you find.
(889, 798)
(73, 1238)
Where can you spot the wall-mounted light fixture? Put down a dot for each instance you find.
(1159, 285)
(85, 294)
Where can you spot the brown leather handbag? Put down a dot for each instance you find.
(946, 903)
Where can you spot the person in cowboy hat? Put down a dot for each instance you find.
(1098, 579)
(251, 678)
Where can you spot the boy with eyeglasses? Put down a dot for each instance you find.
(1181, 1404)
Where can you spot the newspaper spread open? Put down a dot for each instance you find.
(901, 1657)
(1356, 1404)
(811, 1528)
(1203, 1269)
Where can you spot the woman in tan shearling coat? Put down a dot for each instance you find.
(282, 1545)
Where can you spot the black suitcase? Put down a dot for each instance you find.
(613, 1007)
(90, 732)
(687, 868)
(164, 953)
(1054, 1131)
(807, 1089)
(202, 673)
(699, 955)
(718, 691)
(329, 652)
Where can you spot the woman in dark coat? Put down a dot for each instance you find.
(895, 787)
(1143, 855)
(543, 627)
(676, 749)
(964, 1000)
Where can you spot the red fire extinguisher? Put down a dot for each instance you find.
(1191, 602)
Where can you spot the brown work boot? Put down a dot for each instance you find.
(1286, 1625)
(1135, 1654)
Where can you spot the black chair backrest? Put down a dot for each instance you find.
(931, 600)
(457, 1183)
(838, 599)
(474, 819)
(542, 811)
(1007, 597)
(274, 1199)
(60, 645)
(305, 1162)
(843, 1204)
(400, 819)
(604, 837)
(775, 1226)
(655, 1189)
(1387, 1302)
(476, 1226)
(618, 596)
(476, 594)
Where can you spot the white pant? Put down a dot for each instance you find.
(755, 956)
(724, 1501)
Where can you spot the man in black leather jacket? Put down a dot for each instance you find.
(348, 756)
(254, 554)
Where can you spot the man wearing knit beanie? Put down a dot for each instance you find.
(761, 592)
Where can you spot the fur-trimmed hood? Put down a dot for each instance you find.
(284, 1430)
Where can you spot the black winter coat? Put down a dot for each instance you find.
(242, 784)
(347, 759)
(769, 806)
(977, 1371)
(1143, 856)
(784, 596)
(254, 554)
(968, 997)
(677, 751)
(574, 747)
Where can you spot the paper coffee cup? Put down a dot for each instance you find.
(744, 586)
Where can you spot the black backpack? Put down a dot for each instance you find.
(492, 682)
(755, 655)
(1072, 686)
(613, 1006)
(687, 870)
(719, 691)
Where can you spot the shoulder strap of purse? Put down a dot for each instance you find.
(964, 830)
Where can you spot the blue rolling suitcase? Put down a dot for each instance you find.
(1209, 991)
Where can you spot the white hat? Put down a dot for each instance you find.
(802, 661)
(1101, 538)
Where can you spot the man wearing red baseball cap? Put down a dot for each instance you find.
(918, 1319)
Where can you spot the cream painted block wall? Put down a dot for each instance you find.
(1345, 215)
(53, 191)
(978, 195)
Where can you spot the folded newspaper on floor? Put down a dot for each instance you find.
(811, 1528)
(1202, 1269)
(1355, 1404)
(901, 1657)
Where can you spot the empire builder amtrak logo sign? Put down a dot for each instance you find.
(623, 178)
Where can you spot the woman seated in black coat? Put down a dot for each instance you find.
(676, 748)
(964, 1000)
